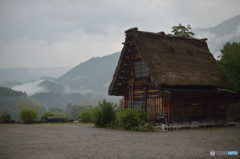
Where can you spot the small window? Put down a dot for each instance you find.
(141, 69)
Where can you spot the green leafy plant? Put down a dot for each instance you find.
(149, 127)
(237, 117)
(85, 116)
(47, 114)
(182, 30)
(229, 63)
(6, 117)
(104, 115)
(131, 119)
(28, 115)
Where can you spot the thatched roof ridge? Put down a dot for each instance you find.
(172, 61)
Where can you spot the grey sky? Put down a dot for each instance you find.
(53, 33)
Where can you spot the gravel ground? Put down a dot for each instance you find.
(77, 141)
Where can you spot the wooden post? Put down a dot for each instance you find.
(170, 108)
(161, 103)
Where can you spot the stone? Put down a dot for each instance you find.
(42, 121)
(19, 122)
(55, 119)
(70, 120)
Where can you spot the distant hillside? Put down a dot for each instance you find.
(9, 101)
(92, 76)
(29, 74)
(10, 84)
(227, 31)
(88, 82)
(6, 93)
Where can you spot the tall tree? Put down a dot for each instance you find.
(229, 62)
(182, 30)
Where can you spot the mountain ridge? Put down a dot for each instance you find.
(226, 31)
(25, 74)
(93, 76)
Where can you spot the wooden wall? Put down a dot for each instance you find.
(178, 107)
(234, 107)
(198, 107)
(156, 102)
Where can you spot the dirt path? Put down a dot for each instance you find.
(75, 141)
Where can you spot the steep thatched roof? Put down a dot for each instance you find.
(171, 60)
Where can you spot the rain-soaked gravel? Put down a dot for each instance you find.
(77, 141)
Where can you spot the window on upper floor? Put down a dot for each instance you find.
(141, 69)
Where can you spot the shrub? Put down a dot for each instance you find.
(237, 117)
(28, 115)
(149, 127)
(47, 114)
(85, 116)
(104, 115)
(0, 117)
(131, 119)
(6, 117)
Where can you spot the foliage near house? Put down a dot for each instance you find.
(237, 117)
(105, 114)
(182, 30)
(85, 115)
(131, 119)
(229, 63)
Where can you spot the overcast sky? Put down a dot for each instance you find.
(53, 33)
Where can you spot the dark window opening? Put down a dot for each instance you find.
(141, 69)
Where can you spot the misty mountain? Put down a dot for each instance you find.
(52, 86)
(92, 76)
(87, 83)
(227, 31)
(42, 85)
(23, 75)
(9, 101)
(10, 84)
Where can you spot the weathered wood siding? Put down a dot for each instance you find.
(234, 107)
(156, 102)
(198, 107)
(177, 107)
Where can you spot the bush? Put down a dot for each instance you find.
(85, 116)
(149, 127)
(104, 115)
(6, 117)
(131, 119)
(237, 117)
(47, 114)
(28, 115)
